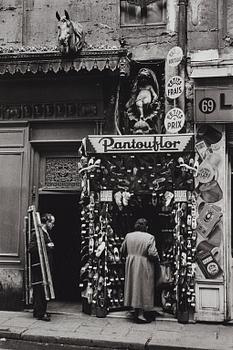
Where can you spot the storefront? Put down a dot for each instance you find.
(213, 118)
(124, 178)
(49, 103)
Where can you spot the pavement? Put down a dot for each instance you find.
(81, 331)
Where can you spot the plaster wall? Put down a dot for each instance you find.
(33, 23)
(202, 24)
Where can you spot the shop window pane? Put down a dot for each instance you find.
(136, 14)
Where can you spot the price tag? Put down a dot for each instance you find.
(106, 196)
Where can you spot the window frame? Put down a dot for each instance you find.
(140, 25)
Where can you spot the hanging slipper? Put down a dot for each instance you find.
(116, 254)
(100, 283)
(91, 245)
(118, 199)
(84, 269)
(111, 257)
(100, 249)
(126, 197)
(168, 197)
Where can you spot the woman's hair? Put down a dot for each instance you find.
(47, 217)
(141, 225)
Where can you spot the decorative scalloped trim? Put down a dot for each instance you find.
(46, 60)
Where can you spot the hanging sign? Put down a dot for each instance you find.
(174, 87)
(139, 143)
(174, 120)
(174, 56)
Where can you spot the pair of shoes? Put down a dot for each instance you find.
(45, 317)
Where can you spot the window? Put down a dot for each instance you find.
(142, 12)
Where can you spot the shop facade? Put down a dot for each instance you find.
(167, 161)
(48, 105)
(213, 89)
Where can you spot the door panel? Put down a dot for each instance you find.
(14, 185)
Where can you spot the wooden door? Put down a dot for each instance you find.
(14, 179)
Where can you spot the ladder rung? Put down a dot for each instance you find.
(35, 283)
(37, 264)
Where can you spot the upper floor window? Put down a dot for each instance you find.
(142, 12)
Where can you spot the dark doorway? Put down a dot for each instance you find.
(66, 237)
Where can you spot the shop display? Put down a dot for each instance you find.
(117, 190)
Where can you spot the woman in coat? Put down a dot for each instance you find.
(141, 255)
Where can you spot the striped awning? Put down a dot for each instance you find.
(45, 61)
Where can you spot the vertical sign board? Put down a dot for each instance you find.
(214, 105)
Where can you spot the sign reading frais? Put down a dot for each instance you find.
(174, 87)
(139, 143)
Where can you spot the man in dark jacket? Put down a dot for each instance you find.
(39, 300)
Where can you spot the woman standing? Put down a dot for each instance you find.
(141, 255)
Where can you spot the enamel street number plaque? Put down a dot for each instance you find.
(214, 105)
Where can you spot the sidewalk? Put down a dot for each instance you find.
(113, 332)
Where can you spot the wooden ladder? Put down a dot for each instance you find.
(33, 226)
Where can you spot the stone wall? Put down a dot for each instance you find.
(33, 23)
(203, 24)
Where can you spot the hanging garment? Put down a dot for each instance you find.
(142, 256)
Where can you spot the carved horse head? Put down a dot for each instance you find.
(70, 34)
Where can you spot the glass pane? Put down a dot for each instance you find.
(154, 14)
(135, 14)
(130, 14)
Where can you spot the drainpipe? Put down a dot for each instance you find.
(182, 42)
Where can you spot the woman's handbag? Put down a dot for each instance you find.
(164, 275)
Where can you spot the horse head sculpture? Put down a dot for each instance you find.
(70, 34)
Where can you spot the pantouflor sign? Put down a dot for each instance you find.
(174, 87)
(214, 105)
(139, 143)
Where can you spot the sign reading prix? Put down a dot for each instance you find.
(174, 56)
(214, 105)
(174, 120)
(174, 87)
(139, 143)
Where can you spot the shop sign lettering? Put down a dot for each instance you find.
(174, 87)
(144, 144)
(174, 56)
(174, 120)
(214, 105)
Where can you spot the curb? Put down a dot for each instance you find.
(21, 341)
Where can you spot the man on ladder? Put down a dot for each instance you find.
(39, 297)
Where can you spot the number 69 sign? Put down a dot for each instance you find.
(207, 105)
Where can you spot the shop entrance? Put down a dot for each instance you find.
(66, 237)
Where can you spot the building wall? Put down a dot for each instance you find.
(34, 23)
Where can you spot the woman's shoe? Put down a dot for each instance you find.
(46, 318)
